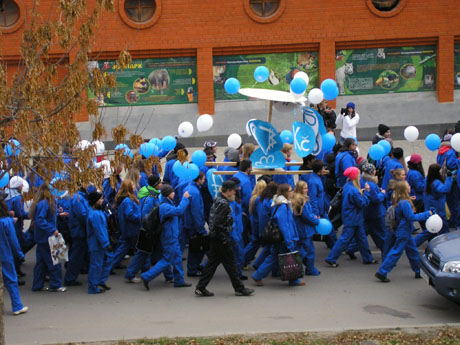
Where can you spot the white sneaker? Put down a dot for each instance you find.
(134, 280)
(21, 311)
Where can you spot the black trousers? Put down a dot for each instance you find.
(220, 253)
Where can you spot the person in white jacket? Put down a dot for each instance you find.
(349, 119)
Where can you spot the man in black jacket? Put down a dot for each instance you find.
(220, 227)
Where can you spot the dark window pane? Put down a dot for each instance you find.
(264, 8)
(9, 13)
(385, 5)
(140, 11)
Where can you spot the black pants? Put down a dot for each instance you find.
(220, 253)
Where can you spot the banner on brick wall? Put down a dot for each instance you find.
(386, 70)
(148, 81)
(457, 66)
(282, 67)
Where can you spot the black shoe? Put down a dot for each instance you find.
(185, 284)
(146, 284)
(244, 292)
(104, 286)
(243, 277)
(203, 293)
(382, 278)
(101, 291)
(120, 267)
(21, 274)
(351, 255)
(332, 264)
(21, 282)
(74, 283)
(418, 276)
(112, 273)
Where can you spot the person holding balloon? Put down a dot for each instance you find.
(349, 120)
(404, 216)
(416, 179)
(435, 200)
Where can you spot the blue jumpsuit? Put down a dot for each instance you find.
(417, 188)
(15, 204)
(306, 229)
(169, 176)
(143, 182)
(391, 164)
(352, 216)
(9, 250)
(236, 237)
(343, 161)
(264, 210)
(245, 194)
(98, 241)
(44, 226)
(449, 159)
(171, 252)
(251, 249)
(404, 239)
(436, 200)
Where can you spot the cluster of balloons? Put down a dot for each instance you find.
(187, 171)
(379, 150)
(203, 124)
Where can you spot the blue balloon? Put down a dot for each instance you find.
(199, 158)
(12, 148)
(232, 86)
(376, 152)
(432, 142)
(324, 227)
(298, 85)
(261, 74)
(5, 179)
(155, 141)
(287, 137)
(168, 143)
(178, 169)
(192, 171)
(330, 89)
(294, 167)
(328, 142)
(386, 146)
(147, 150)
(121, 147)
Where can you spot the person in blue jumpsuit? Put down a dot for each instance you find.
(435, 200)
(393, 163)
(172, 254)
(447, 159)
(245, 192)
(305, 220)
(416, 179)
(194, 222)
(404, 212)
(307, 162)
(354, 202)
(79, 209)
(109, 192)
(98, 245)
(232, 155)
(282, 214)
(344, 160)
(129, 219)
(204, 190)
(9, 251)
(43, 214)
(169, 177)
(236, 237)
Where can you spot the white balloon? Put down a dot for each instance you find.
(204, 123)
(434, 224)
(411, 133)
(247, 127)
(234, 141)
(83, 144)
(100, 147)
(185, 129)
(315, 96)
(302, 75)
(455, 142)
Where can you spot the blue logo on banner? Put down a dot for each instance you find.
(304, 138)
(314, 119)
(214, 182)
(271, 160)
(266, 136)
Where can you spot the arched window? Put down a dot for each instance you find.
(140, 11)
(385, 5)
(9, 13)
(264, 8)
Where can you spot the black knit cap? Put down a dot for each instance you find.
(94, 197)
(166, 189)
(153, 180)
(383, 129)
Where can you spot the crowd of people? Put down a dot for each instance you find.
(101, 227)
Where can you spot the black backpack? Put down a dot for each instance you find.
(271, 234)
(150, 231)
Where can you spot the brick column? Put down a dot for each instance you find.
(327, 63)
(445, 69)
(205, 80)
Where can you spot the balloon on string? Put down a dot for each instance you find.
(168, 143)
(199, 158)
(330, 89)
(99, 146)
(204, 123)
(302, 75)
(376, 152)
(234, 141)
(12, 148)
(178, 169)
(287, 137)
(315, 96)
(147, 150)
(411, 133)
(455, 142)
(192, 171)
(5, 179)
(434, 224)
(298, 86)
(155, 141)
(294, 167)
(324, 227)
(386, 146)
(432, 142)
(261, 74)
(185, 129)
(232, 86)
(328, 142)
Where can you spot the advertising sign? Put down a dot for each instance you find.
(457, 66)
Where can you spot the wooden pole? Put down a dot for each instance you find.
(268, 172)
(270, 111)
(233, 164)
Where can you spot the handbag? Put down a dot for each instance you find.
(291, 267)
(271, 234)
(198, 243)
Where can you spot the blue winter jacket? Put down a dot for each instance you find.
(246, 190)
(376, 207)
(285, 220)
(97, 233)
(227, 168)
(108, 192)
(194, 214)
(237, 233)
(306, 222)
(129, 218)
(169, 216)
(317, 196)
(282, 179)
(391, 164)
(264, 210)
(353, 205)
(15, 204)
(416, 182)
(169, 176)
(44, 222)
(447, 156)
(9, 245)
(79, 209)
(343, 161)
(406, 216)
(143, 180)
(437, 198)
